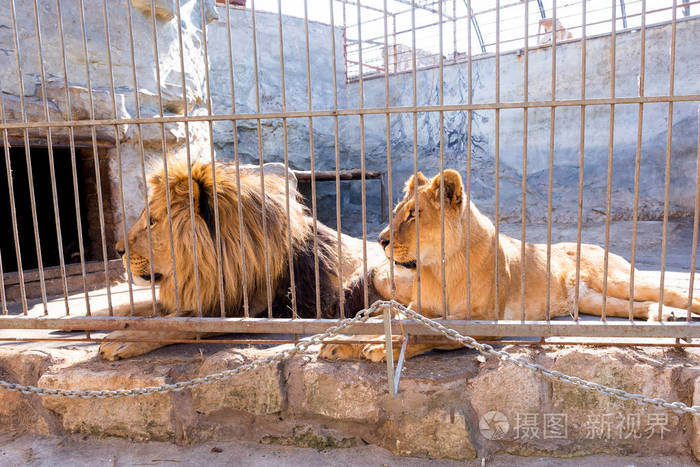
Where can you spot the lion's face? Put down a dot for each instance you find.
(139, 249)
(425, 209)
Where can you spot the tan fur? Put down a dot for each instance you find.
(483, 271)
(248, 243)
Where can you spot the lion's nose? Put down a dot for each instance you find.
(383, 241)
(121, 252)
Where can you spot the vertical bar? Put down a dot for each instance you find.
(2, 288)
(550, 169)
(581, 147)
(168, 204)
(469, 158)
(523, 185)
(389, 350)
(268, 282)
(336, 147)
(396, 56)
(27, 155)
(290, 257)
(611, 124)
(127, 248)
(13, 209)
(696, 220)
(415, 151)
(246, 311)
(667, 180)
(95, 156)
(454, 31)
(195, 260)
(441, 100)
(496, 167)
(362, 159)
(137, 110)
(52, 169)
(71, 139)
(638, 158)
(312, 162)
(212, 154)
(387, 123)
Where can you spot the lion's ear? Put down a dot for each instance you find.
(201, 198)
(452, 181)
(411, 183)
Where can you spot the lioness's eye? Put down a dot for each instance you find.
(152, 221)
(411, 214)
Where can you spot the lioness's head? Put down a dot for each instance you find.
(426, 208)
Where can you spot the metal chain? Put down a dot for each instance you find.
(362, 316)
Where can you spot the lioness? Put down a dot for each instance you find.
(482, 250)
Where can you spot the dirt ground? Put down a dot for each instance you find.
(76, 452)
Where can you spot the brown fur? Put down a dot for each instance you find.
(483, 271)
(236, 243)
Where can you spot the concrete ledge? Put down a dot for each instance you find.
(445, 403)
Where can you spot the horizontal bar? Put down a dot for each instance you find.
(315, 326)
(54, 272)
(329, 175)
(350, 112)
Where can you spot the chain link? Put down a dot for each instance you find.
(470, 342)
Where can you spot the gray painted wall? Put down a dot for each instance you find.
(567, 120)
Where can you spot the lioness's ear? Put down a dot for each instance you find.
(452, 181)
(411, 183)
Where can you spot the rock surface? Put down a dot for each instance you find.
(445, 402)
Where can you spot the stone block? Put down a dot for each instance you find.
(139, 418)
(258, 392)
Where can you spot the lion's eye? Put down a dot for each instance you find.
(152, 221)
(411, 214)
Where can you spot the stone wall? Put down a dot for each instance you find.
(117, 82)
(566, 166)
(566, 144)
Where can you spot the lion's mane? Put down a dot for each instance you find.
(242, 248)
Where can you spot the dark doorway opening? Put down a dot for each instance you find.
(46, 221)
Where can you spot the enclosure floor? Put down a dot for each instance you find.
(52, 451)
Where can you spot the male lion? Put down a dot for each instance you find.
(482, 249)
(243, 258)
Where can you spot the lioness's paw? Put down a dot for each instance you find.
(340, 351)
(667, 313)
(374, 352)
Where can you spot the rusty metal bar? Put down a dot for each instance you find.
(360, 111)
(285, 143)
(523, 182)
(638, 160)
(336, 147)
(550, 168)
(469, 162)
(581, 162)
(246, 310)
(312, 161)
(313, 326)
(268, 282)
(667, 178)
(611, 134)
(365, 290)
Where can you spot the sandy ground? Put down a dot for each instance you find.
(75, 452)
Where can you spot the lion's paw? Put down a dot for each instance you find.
(121, 350)
(340, 351)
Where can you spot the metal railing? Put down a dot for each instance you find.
(45, 125)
